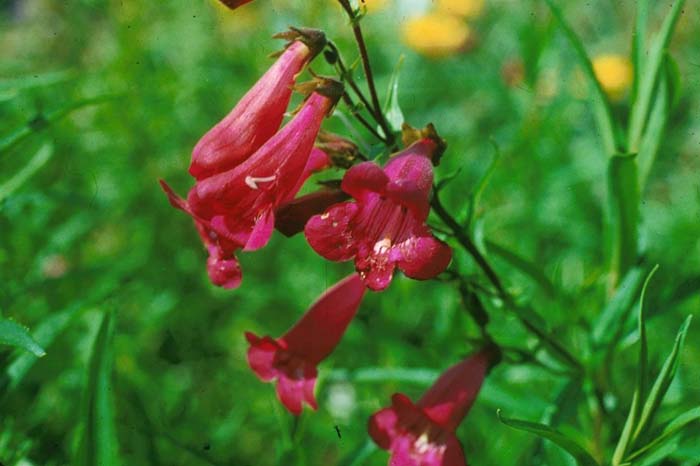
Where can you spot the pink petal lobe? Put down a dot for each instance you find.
(225, 273)
(291, 217)
(261, 356)
(424, 257)
(364, 178)
(330, 234)
(262, 231)
(293, 391)
(382, 427)
(375, 266)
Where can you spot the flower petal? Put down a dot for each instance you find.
(330, 234)
(225, 273)
(364, 178)
(382, 427)
(292, 392)
(261, 356)
(423, 257)
(262, 231)
(291, 217)
(375, 266)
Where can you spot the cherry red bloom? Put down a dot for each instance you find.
(292, 358)
(385, 227)
(235, 209)
(423, 434)
(258, 115)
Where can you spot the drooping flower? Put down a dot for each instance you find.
(292, 358)
(384, 227)
(258, 115)
(233, 4)
(235, 209)
(423, 434)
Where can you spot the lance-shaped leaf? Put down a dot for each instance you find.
(582, 457)
(99, 442)
(667, 434)
(13, 334)
(394, 115)
(640, 390)
(624, 214)
(664, 379)
(34, 165)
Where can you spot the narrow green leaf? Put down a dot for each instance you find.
(640, 390)
(639, 41)
(582, 457)
(382, 374)
(41, 122)
(475, 195)
(649, 146)
(607, 327)
(673, 428)
(603, 113)
(34, 165)
(663, 380)
(393, 113)
(34, 80)
(623, 208)
(99, 443)
(525, 266)
(13, 334)
(649, 76)
(361, 455)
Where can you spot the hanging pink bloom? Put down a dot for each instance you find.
(233, 4)
(423, 434)
(235, 209)
(385, 227)
(258, 115)
(292, 359)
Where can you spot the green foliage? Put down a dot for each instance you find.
(101, 98)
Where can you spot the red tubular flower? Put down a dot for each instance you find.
(235, 209)
(233, 4)
(292, 359)
(423, 434)
(258, 115)
(385, 227)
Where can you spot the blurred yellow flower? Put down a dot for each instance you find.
(436, 34)
(466, 8)
(374, 5)
(615, 74)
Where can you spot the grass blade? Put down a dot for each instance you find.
(673, 428)
(13, 334)
(650, 75)
(582, 457)
(99, 445)
(623, 207)
(664, 379)
(39, 160)
(603, 113)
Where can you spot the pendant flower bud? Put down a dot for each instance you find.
(384, 227)
(341, 151)
(235, 209)
(292, 358)
(258, 115)
(423, 434)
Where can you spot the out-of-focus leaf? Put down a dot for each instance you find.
(639, 42)
(582, 457)
(651, 140)
(664, 379)
(525, 266)
(34, 80)
(40, 122)
(34, 165)
(361, 455)
(99, 442)
(393, 113)
(607, 326)
(13, 334)
(649, 75)
(623, 205)
(640, 390)
(603, 112)
(382, 374)
(476, 193)
(673, 428)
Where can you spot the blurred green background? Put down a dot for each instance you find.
(91, 232)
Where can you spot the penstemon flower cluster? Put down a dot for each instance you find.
(248, 170)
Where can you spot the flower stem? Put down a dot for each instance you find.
(466, 242)
(376, 108)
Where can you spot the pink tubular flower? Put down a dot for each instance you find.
(423, 434)
(385, 227)
(258, 115)
(292, 359)
(235, 209)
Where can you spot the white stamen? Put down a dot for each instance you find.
(382, 245)
(253, 181)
